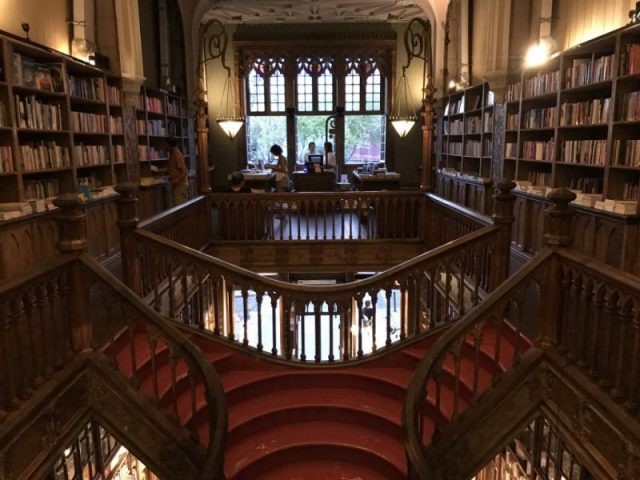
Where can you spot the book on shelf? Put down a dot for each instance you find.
(630, 107)
(3, 115)
(630, 61)
(27, 72)
(6, 159)
(43, 78)
(587, 199)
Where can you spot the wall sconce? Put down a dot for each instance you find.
(538, 53)
(213, 39)
(417, 44)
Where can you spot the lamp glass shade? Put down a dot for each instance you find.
(230, 126)
(403, 117)
(403, 126)
(228, 119)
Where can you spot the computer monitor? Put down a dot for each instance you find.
(315, 158)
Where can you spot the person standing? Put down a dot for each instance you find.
(282, 177)
(330, 158)
(177, 170)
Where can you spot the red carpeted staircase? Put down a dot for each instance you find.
(289, 422)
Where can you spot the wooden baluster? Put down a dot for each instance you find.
(572, 318)
(624, 319)
(152, 341)
(259, 296)
(171, 291)
(456, 354)
(586, 299)
(245, 316)
(132, 356)
(298, 215)
(606, 340)
(518, 325)
(344, 206)
(447, 291)
(274, 304)
(598, 305)
(47, 336)
(316, 212)
(26, 350)
(286, 330)
(566, 281)
(437, 378)
(334, 219)
(231, 326)
(317, 306)
(403, 224)
(184, 285)
(633, 397)
(35, 339)
(403, 309)
(64, 311)
(215, 292)
(478, 336)
(374, 302)
(301, 340)
(461, 287)
(498, 344)
(388, 292)
(11, 359)
(331, 307)
(360, 352)
(198, 307)
(173, 360)
(345, 327)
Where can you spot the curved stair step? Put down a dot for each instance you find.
(250, 453)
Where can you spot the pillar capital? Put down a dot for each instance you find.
(559, 218)
(71, 226)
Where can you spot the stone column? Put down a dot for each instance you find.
(132, 71)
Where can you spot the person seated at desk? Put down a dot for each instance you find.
(311, 151)
(237, 184)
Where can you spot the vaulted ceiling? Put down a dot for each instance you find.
(314, 11)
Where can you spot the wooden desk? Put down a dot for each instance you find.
(314, 182)
(369, 182)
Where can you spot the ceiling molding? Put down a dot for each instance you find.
(313, 11)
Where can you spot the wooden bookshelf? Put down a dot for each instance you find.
(464, 148)
(574, 123)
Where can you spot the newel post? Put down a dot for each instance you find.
(127, 223)
(504, 200)
(557, 234)
(72, 240)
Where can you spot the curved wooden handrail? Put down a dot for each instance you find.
(344, 289)
(214, 393)
(430, 366)
(467, 212)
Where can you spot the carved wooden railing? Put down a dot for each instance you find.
(487, 330)
(290, 320)
(318, 216)
(577, 309)
(446, 220)
(53, 317)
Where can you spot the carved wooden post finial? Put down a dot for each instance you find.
(558, 221)
(504, 200)
(71, 226)
(127, 223)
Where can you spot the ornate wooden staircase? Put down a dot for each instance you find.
(288, 421)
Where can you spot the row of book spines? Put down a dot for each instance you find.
(585, 152)
(584, 71)
(630, 108)
(476, 148)
(152, 127)
(513, 91)
(95, 123)
(35, 114)
(175, 109)
(91, 154)
(591, 112)
(6, 160)
(588, 185)
(627, 152)
(539, 118)
(41, 189)
(542, 84)
(152, 104)
(44, 156)
(90, 181)
(88, 88)
(630, 191)
(539, 178)
(630, 64)
(151, 153)
(538, 150)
